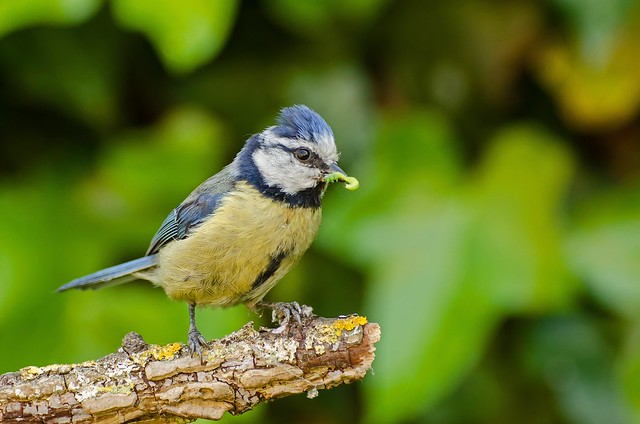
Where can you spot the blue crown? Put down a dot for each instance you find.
(299, 121)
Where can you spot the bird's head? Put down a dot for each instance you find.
(295, 158)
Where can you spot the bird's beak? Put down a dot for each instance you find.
(336, 173)
(335, 168)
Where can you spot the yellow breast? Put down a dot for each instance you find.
(230, 258)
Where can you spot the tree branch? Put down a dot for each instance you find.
(152, 383)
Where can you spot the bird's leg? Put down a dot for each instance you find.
(195, 339)
(283, 312)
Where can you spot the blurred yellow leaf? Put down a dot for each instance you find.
(594, 95)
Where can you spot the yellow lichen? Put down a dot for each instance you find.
(29, 373)
(330, 333)
(165, 352)
(348, 323)
(157, 353)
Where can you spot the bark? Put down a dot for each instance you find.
(162, 384)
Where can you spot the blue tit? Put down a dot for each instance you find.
(238, 233)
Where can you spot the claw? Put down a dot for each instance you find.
(283, 312)
(196, 342)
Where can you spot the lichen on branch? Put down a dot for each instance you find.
(143, 382)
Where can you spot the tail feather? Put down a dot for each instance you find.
(111, 276)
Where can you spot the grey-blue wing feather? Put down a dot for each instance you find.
(200, 204)
(168, 231)
(111, 276)
(183, 219)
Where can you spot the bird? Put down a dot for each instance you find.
(240, 231)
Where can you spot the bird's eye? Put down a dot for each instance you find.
(302, 154)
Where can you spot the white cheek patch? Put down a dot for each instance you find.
(278, 168)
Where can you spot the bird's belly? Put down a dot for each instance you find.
(239, 253)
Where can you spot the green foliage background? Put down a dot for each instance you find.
(495, 237)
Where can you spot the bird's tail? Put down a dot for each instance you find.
(111, 276)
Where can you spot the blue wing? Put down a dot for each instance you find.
(201, 203)
(180, 221)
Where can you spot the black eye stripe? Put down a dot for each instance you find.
(314, 160)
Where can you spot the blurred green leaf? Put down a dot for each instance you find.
(518, 190)
(16, 14)
(434, 316)
(426, 169)
(604, 249)
(320, 17)
(628, 367)
(187, 34)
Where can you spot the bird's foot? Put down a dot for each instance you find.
(284, 312)
(196, 342)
